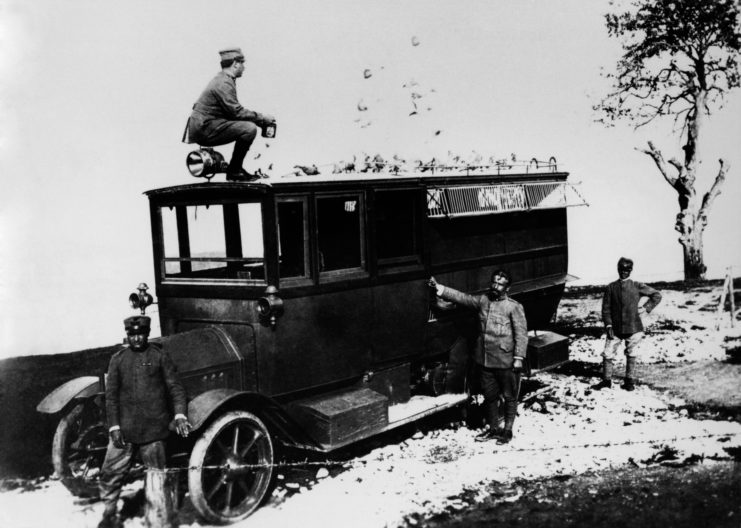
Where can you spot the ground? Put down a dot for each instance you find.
(665, 454)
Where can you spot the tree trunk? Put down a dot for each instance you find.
(694, 264)
(690, 229)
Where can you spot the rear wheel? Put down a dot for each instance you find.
(79, 448)
(231, 468)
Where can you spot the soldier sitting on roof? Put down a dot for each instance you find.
(218, 118)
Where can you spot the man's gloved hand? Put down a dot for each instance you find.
(517, 365)
(610, 333)
(182, 426)
(117, 438)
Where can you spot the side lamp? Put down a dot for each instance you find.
(270, 307)
(141, 299)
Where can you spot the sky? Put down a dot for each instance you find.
(94, 96)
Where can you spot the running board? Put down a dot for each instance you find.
(416, 408)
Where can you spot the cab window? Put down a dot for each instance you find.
(340, 233)
(397, 228)
(213, 242)
(293, 238)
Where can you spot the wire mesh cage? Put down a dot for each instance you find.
(471, 200)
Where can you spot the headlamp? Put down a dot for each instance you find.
(205, 163)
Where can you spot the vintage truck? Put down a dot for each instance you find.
(297, 311)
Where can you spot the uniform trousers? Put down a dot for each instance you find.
(631, 345)
(117, 464)
(496, 382)
(221, 132)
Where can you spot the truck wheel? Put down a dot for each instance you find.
(231, 468)
(79, 448)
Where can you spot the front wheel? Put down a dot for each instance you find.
(231, 468)
(78, 449)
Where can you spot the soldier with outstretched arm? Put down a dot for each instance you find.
(621, 315)
(141, 387)
(500, 348)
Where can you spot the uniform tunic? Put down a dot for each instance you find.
(142, 393)
(502, 328)
(620, 305)
(216, 108)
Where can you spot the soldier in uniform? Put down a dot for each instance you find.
(500, 348)
(141, 388)
(218, 118)
(621, 315)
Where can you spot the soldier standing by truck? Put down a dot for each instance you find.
(621, 315)
(141, 386)
(500, 348)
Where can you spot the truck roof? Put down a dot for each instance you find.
(386, 180)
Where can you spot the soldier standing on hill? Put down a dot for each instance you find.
(141, 387)
(621, 315)
(500, 348)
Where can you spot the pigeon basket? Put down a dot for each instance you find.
(472, 200)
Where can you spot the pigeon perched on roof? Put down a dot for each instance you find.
(312, 170)
(378, 163)
(344, 166)
(396, 164)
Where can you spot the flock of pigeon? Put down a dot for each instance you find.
(415, 93)
(452, 163)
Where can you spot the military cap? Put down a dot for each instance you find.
(138, 324)
(231, 54)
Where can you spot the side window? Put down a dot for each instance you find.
(397, 239)
(214, 241)
(293, 238)
(340, 233)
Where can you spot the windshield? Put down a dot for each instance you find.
(213, 242)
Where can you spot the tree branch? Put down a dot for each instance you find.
(712, 194)
(658, 158)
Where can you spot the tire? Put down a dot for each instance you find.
(221, 488)
(78, 449)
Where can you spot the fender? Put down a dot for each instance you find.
(213, 402)
(56, 400)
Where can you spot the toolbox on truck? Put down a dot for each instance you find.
(547, 350)
(338, 418)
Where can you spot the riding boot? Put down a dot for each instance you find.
(509, 422)
(630, 366)
(606, 382)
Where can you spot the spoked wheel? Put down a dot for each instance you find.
(79, 448)
(231, 468)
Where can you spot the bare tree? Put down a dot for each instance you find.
(680, 60)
